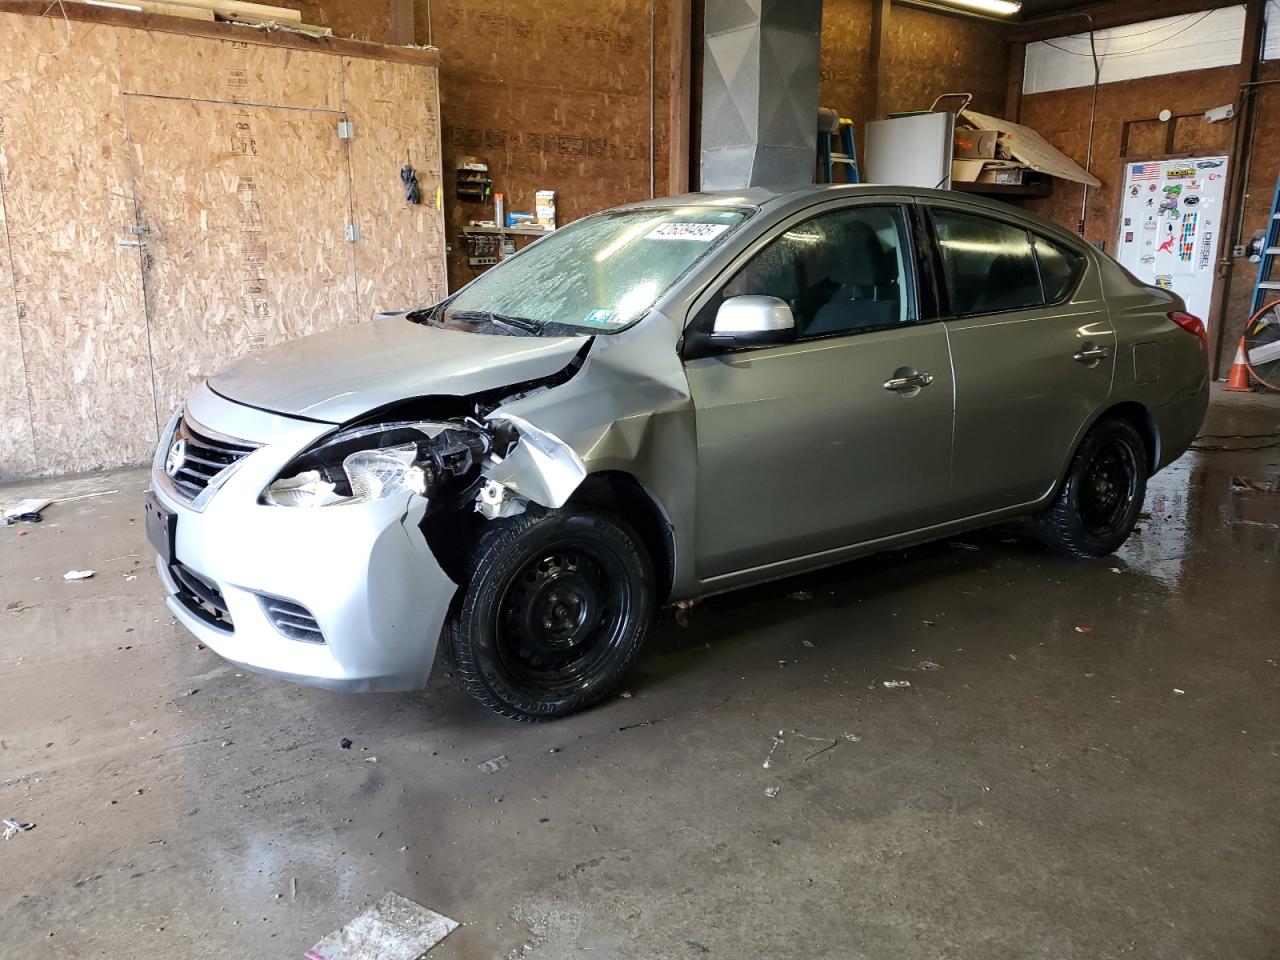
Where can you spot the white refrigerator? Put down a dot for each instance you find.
(1172, 214)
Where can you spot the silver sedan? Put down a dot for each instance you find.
(658, 402)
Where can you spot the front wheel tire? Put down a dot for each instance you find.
(1100, 498)
(553, 612)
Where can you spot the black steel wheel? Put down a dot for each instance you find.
(1101, 496)
(553, 612)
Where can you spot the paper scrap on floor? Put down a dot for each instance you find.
(24, 507)
(394, 928)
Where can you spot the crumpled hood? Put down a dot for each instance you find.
(338, 375)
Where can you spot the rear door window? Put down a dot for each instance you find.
(1060, 268)
(989, 265)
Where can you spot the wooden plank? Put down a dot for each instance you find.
(678, 87)
(245, 239)
(17, 442)
(176, 10)
(399, 257)
(401, 21)
(247, 12)
(68, 204)
(160, 23)
(875, 55)
(1108, 14)
(1237, 181)
(1013, 87)
(197, 68)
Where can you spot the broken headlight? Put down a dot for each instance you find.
(371, 463)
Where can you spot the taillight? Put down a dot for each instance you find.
(1192, 324)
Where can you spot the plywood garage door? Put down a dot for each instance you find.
(244, 241)
(81, 333)
(170, 201)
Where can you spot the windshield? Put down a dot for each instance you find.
(598, 275)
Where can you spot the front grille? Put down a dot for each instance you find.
(205, 455)
(291, 620)
(202, 597)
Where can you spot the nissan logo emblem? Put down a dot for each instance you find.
(176, 458)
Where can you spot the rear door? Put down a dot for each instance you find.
(1032, 348)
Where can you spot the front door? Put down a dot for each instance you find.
(842, 436)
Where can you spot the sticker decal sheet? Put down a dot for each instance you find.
(1178, 204)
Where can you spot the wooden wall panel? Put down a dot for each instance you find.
(924, 55)
(1063, 115)
(399, 258)
(68, 202)
(167, 64)
(930, 54)
(245, 242)
(17, 443)
(552, 97)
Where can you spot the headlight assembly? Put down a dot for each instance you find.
(370, 463)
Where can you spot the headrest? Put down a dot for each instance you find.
(861, 260)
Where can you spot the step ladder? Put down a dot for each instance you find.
(829, 158)
(1270, 249)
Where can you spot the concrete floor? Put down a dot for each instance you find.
(1086, 764)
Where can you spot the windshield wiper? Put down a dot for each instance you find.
(427, 315)
(519, 323)
(497, 319)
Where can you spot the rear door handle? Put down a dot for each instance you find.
(1091, 354)
(913, 382)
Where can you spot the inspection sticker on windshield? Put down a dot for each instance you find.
(687, 231)
(602, 318)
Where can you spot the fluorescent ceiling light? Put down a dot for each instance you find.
(1002, 8)
(114, 6)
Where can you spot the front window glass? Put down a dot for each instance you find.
(598, 275)
(842, 272)
(989, 264)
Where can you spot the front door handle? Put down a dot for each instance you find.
(1091, 354)
(912, 382)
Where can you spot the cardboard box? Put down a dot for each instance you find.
(966, 171)
(545, 208)
(1005, 175)
(976, 144)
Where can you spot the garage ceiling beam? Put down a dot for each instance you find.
(402, 22)
(879, 31)
(1117, 13)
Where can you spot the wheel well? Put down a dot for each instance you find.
(1140, 417)
(624, 495)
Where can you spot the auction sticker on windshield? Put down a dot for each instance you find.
(602, 318)
(687, 231)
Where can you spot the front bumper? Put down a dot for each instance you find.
(364, 572)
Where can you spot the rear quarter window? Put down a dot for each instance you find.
(1060, 269)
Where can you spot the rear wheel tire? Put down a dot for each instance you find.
(1099, 501)
(554, 610)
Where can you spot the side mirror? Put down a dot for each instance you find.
(753, 319)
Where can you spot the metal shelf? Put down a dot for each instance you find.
(1004, 189)
(514, 231)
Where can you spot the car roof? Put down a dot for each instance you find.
(781, 200)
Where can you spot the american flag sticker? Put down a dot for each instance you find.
(1144, 171)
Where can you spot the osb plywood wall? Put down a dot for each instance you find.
(172, 202)
(555, 95)
(1062, 116)
(925, 55)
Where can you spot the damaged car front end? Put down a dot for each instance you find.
(317, 507)
(317, 569)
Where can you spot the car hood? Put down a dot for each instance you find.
(338, 375)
